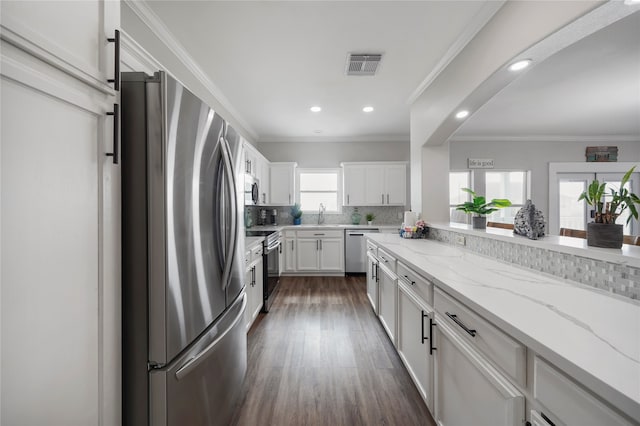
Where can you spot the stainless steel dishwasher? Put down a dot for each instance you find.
(355, 252)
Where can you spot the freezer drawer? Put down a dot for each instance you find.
(194, 390)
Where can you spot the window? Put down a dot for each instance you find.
(318, 186)
(511, 185)
(457, 181)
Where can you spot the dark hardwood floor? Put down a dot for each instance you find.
(321, 357)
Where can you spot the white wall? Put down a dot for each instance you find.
(533, 156)
(331, 154)
(134, 27)
(474, 76)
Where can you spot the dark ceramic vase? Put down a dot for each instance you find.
(479, 222)
(606, 235)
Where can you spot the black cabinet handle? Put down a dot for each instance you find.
(116, 77)
(431, 325)
(409, 279)
(455, 319)
(422, 324)
(116, 132)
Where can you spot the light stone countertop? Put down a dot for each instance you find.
(589, 334)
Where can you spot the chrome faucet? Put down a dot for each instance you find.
(321, 210)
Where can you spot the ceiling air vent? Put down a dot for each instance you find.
(362, 63)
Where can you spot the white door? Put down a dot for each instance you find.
(307, 254)
(468, 390)
(396, 185)
(354, 185)
(413, 341)
(372, 282)
(387, 287)
(332, 254)
(576, 214)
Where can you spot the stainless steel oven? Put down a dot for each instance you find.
(272, 247)
(271, 267)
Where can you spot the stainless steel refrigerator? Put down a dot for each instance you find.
(183, 298)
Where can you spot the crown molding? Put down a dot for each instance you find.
(547, 138)
(336, 139)
(155, 24)
(478, 22)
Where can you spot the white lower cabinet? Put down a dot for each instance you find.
(413, 340)
(254, 286)
(567, 402)
(332, 254)
(315, 252)
(307, 257)
(289, 252)
(372, 281)
(388, 291)
(468, 389)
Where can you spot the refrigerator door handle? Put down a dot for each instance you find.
(196, 360)
(230, 253)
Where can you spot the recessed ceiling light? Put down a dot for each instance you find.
(317, 131)
(462, 114)
(630, 2)
(520, 65)
(315, 109)
(367, 109)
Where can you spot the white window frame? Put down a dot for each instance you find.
(555, 173)
(469, 185)
(336, 170)
(526, 184)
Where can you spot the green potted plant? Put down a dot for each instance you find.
(603, 231)
(479, 207)
(370, 217)
(296, 213)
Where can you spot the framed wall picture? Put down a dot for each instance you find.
(602, 153)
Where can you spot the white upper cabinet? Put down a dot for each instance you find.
(354, 185)
(282, 183)
(375, 184)
(81, 49)
(395, 184)
(256, 165)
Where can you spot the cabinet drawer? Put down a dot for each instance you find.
(387, 260)
(320, 234)
(505, 352)
(289, 233)
(372, 248)
(567, 401)
(420, 285)
(256, 252)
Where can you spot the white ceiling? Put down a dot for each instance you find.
(274, 60)
(590, 90)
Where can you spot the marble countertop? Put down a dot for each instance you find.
(591, 335)
(627, 255)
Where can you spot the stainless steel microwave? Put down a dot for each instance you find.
(251, 190)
